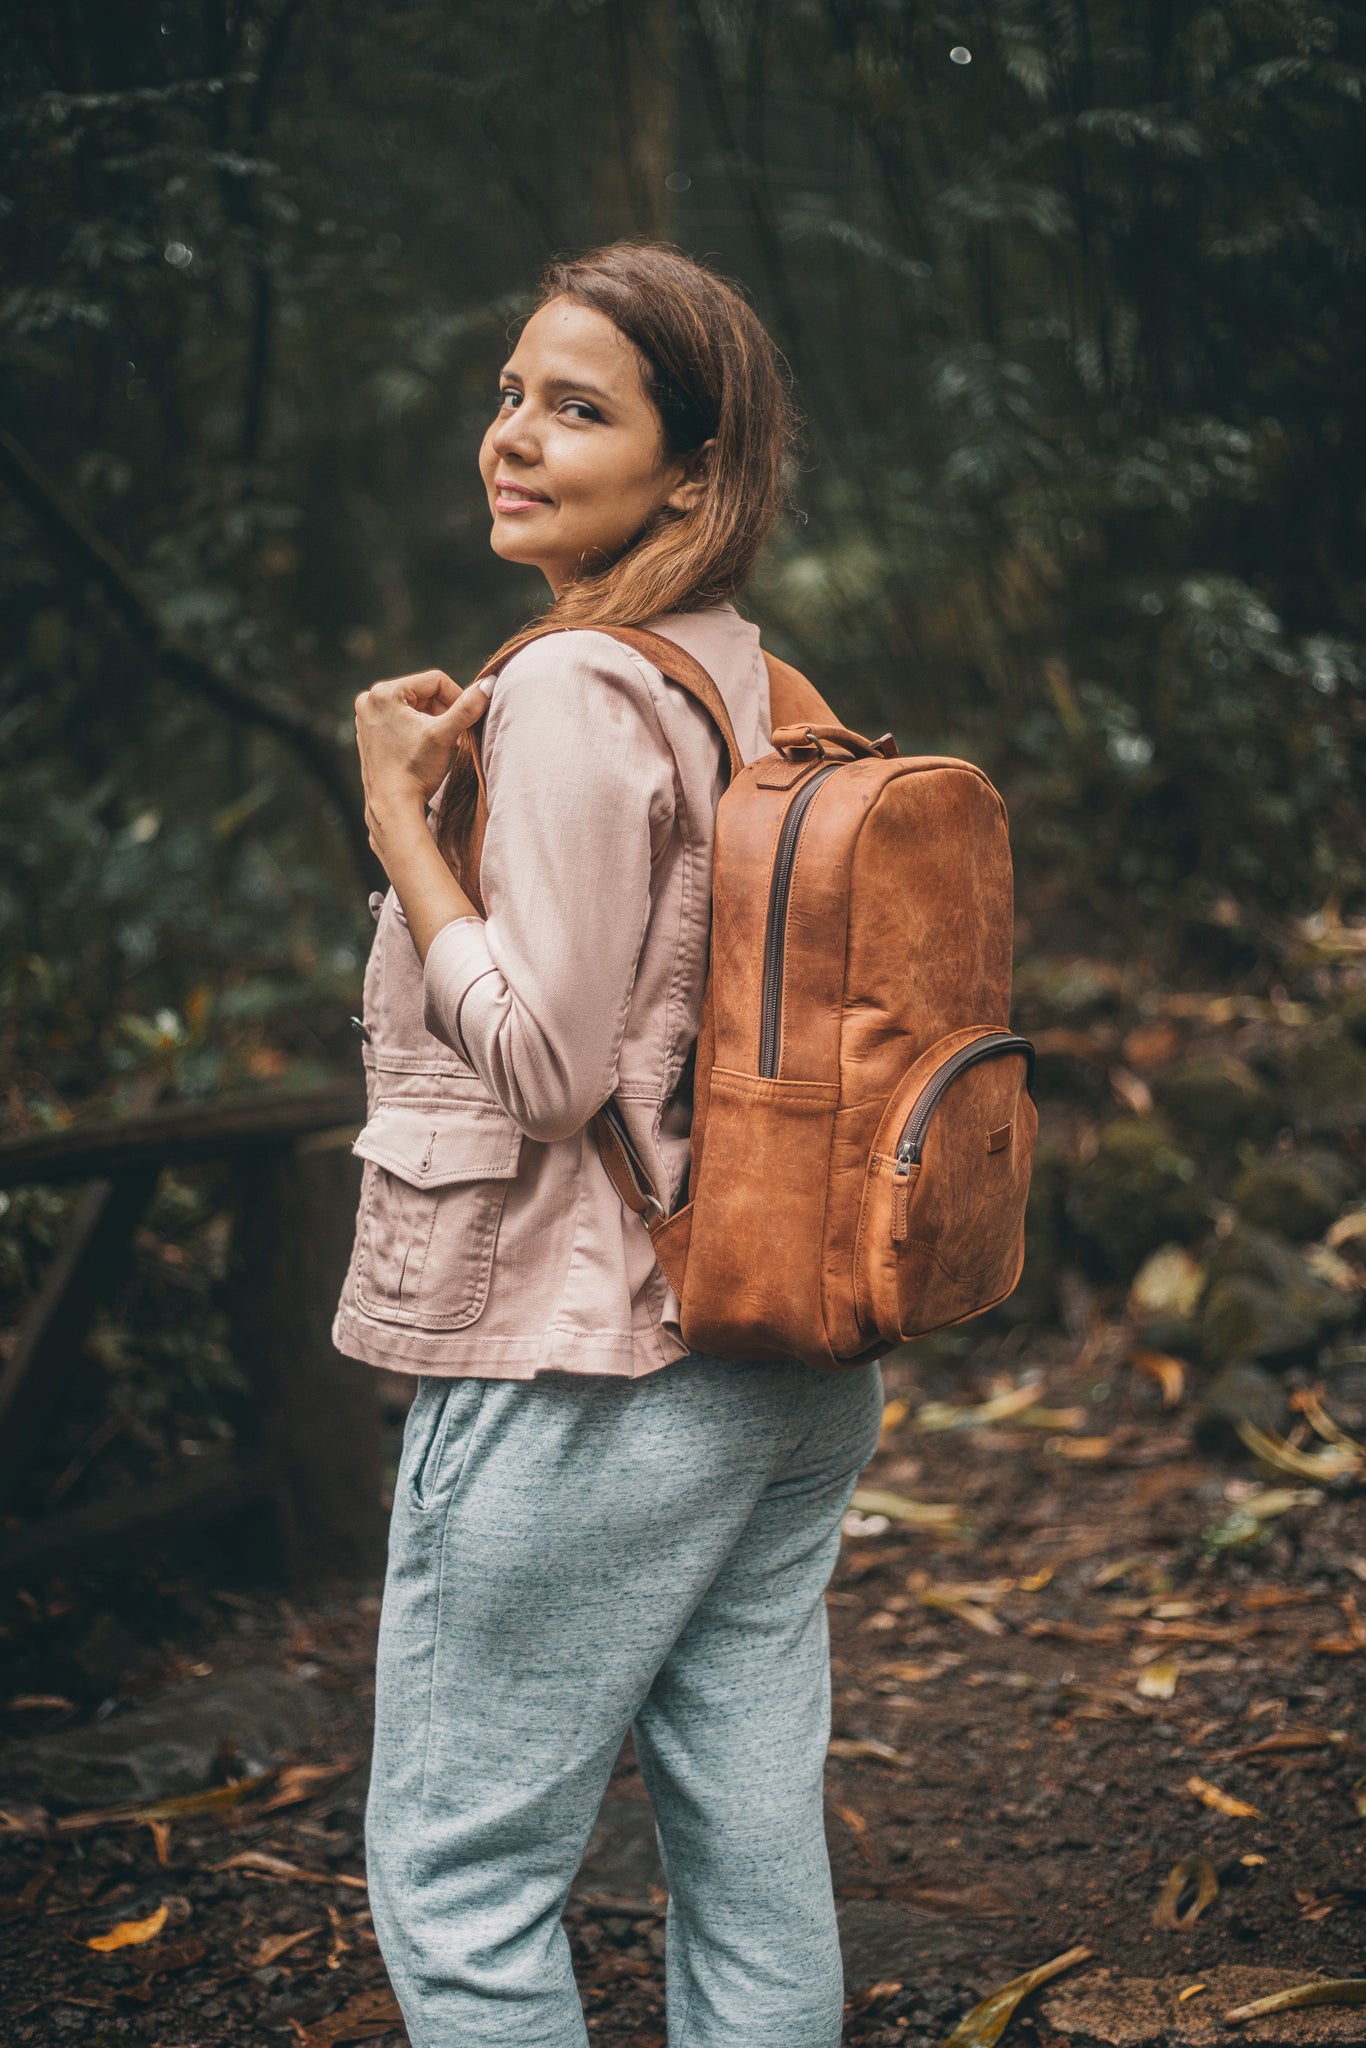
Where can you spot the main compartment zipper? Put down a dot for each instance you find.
(775, 931)
(911, 1142)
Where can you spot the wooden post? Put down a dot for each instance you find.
(315, 1419)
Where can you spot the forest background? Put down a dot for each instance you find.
(1072, 295)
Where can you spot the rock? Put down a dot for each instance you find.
(884, 1941)
(1265, 1302)
(1170, 1282)
(1105, 2010)
(105, 1652)
(1328, 1080)
(1140, 1191)
(1352, 1013)
(622, 1857)
(1218, 1099)
(1035, 1299)
(1298, 1194)
(171, 1745)
(1239, 1392)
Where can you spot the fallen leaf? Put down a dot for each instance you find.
(1358, 1797)
(944, 1601)
(1158, 1680)
(1169, 1372)
(40, 1702)
(276, 1866)
(937, 1415)
(1252, 1861)
(852, 1749)
(1222, 1802)
(276, 1945)
(1355, 1638)
(1191, 1870)
(129, 1933)
(163, 1809)
(1076, 1632)
(894, 1413)
(1319, 1991)
(1191, 1991)
(923, 1514)
(1290, 1739)
(915, 1674)
(1169, 1282)
(174, 1955)
(1307, 1402)
(1036, 1581)
(297, 1782)
(986, 2023)
(363, 2017)
(1246, 1524)
(1053, 1418)
(1346, 1229)
(1086, 1447)
(1333, 1462)
(878, 1994)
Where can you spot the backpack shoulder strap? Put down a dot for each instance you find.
(792, 700)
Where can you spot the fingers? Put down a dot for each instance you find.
(468, 708)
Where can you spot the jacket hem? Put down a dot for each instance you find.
(607, 1354)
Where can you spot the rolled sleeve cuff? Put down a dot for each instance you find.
(457, 957)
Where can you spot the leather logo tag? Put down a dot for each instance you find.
(998, 1140)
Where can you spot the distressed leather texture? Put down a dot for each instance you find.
(876, 938)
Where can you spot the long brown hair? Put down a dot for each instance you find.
(712, 374)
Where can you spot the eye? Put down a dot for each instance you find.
(581, 409)
(509, 391)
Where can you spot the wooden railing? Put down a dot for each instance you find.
(307, 1451)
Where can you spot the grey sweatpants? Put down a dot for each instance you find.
(569, 1559)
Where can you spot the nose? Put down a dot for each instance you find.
(514, 434)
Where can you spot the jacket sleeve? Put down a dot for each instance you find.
(580, 781)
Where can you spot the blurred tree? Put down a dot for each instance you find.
(1073, 294)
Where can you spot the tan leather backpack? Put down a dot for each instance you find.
(862, 1128)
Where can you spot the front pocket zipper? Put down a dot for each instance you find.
(911, 1143)
(775, 931)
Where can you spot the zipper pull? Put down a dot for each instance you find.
(904, 1177)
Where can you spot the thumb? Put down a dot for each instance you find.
(468, 708)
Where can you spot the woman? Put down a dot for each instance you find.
(595, 1529)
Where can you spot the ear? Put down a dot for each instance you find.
(691, 487)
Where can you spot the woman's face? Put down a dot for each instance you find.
(574, 462)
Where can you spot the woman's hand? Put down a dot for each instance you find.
(405, 729)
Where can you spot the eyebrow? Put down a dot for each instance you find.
(567, 384)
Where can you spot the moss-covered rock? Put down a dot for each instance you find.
(1035, 1300)
(1139, 1191)
(1217, 1099)
(1327, 1077)
(1242, 1392)
(1298, 1194)
(1265, 1302)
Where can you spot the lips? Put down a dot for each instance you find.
(510, 497)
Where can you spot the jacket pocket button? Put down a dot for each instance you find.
(376, 900)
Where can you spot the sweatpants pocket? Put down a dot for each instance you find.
(437, 1436)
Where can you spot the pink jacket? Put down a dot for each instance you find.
(489, 1240)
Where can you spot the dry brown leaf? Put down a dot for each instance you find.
(1358, 1797)
(1290, 1739)
(980, 1618)
(1106, 1633)
(1191, 1991)
(1319, 1991)
(1169, 1372)
(986, 2023)
(1089, 1448)
(300, 1781)
(894, 1413)
(130, 1933)
(1222, 1802)
(1191, 1870)
(1158, 1680)
(937, 1415)
(162, 1809)
(276, 1945)
(852, 1749)
(914, 1674)
(276, 1866)
(921, 1514)
(40, 1702)
(1333, 1462)
(363, 2017)
(1355, 1639)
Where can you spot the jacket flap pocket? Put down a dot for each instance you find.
(431, 1148)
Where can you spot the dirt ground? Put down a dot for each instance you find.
(1039, 1707)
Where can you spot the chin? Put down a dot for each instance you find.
(512, 547)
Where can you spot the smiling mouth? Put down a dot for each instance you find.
(515, 497)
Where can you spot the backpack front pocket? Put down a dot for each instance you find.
(436, 1179)
(941, 1228)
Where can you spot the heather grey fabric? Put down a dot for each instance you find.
(570, 1558)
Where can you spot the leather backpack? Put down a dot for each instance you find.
(862, 1130)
